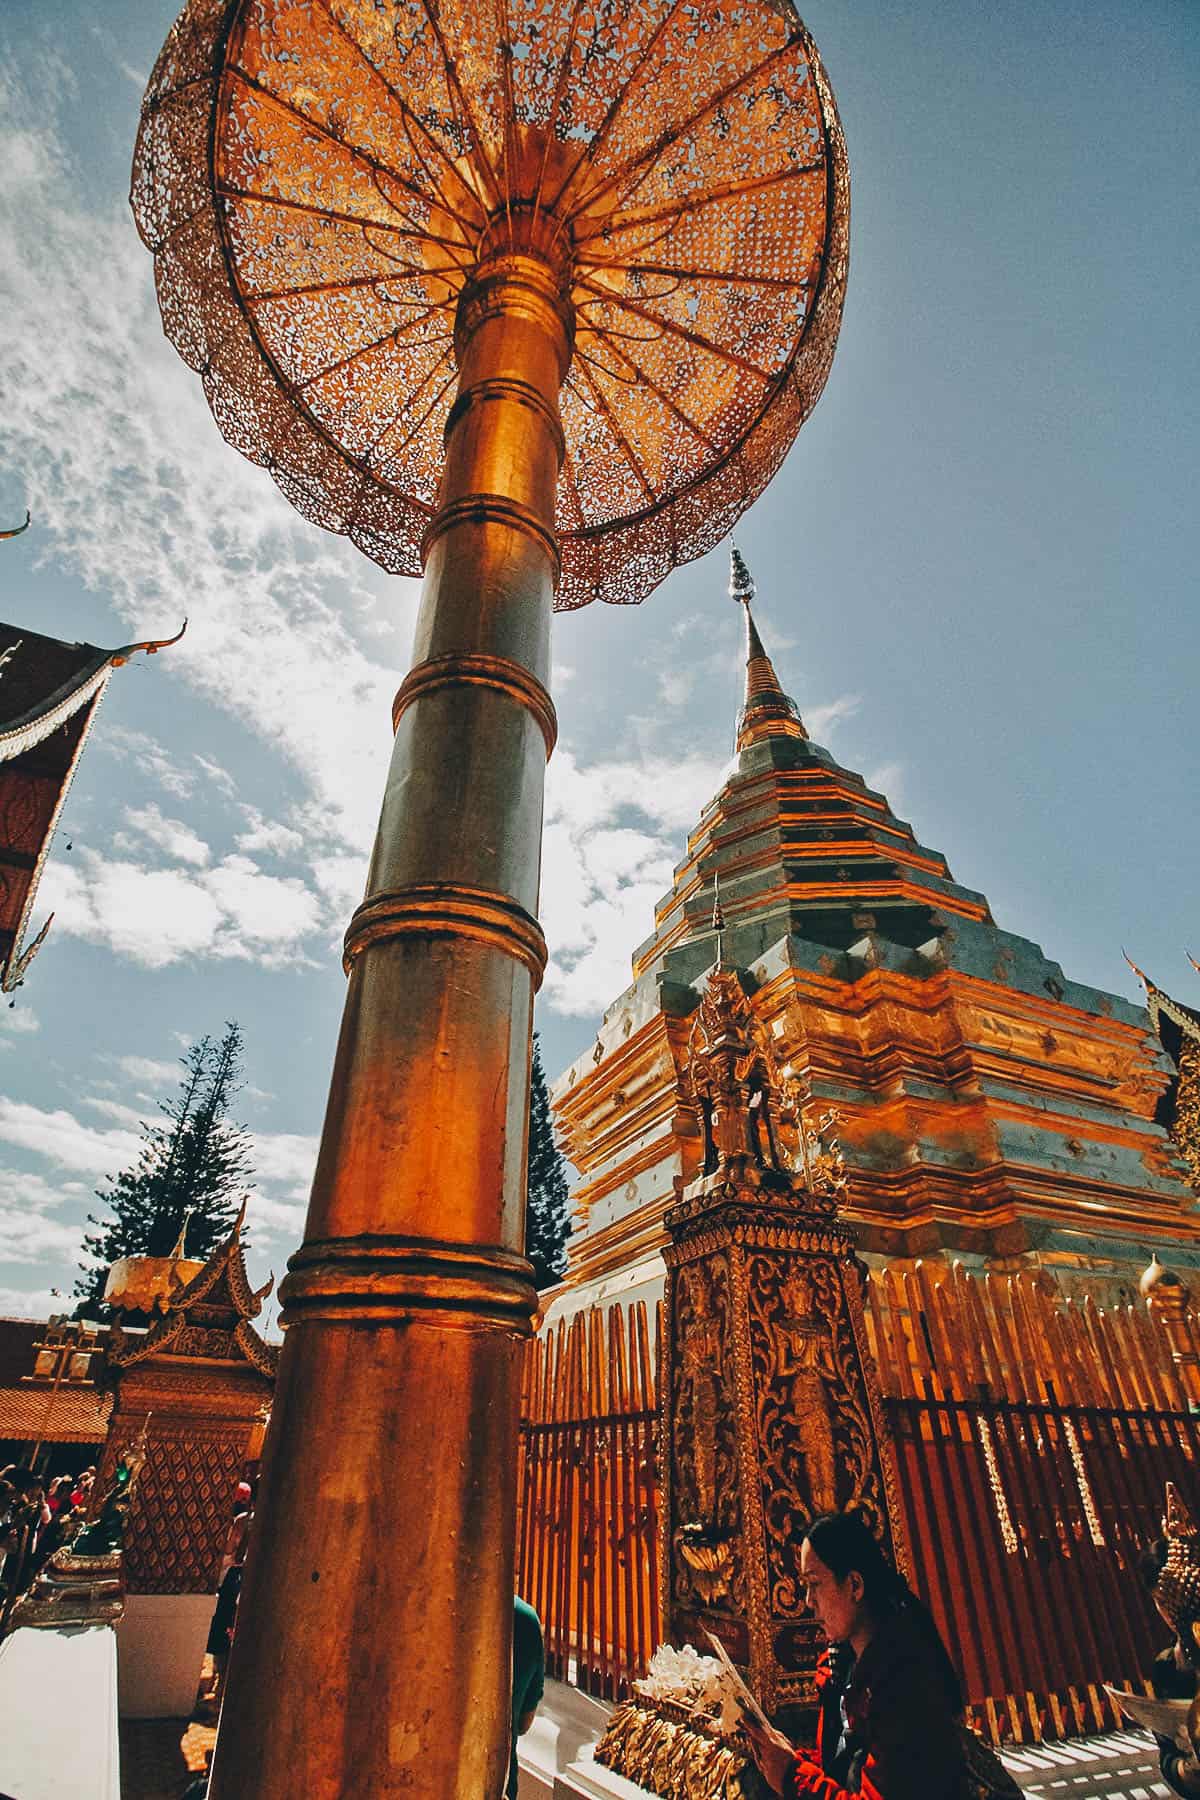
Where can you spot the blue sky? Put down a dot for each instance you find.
(976, 570)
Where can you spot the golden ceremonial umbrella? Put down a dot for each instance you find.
(532, 295)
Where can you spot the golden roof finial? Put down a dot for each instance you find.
(718, 918)
(741, 581)
(180, 1250)
(767, 711)
(16, 530)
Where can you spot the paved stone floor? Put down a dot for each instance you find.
(159, 1757)
(1123, 1765)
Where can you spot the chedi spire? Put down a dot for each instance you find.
(767, 711)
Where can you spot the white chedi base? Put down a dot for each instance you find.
(58, 1714)
(160, 1653)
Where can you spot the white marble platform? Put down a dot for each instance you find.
(556, 1762)
(58, 1714)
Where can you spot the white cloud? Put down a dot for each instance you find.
(150, 757)
(675, 686)
(15, 1022)
(342, 880)
(33, 1193)
(286, 1159)
(268, 911)
(115, 1110)
(64, 1140)
(178, 840)
(29, 1237)
(146, 1069)
(614, 832)
(887, 779)
(32, 1303)
(217, 777)
(276, 1219)
(819, 720)
(157, 917)
(154, 916)
(269, 835)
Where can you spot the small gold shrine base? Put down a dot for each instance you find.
(73, 1590)
(770, 1415)
(676, 1754)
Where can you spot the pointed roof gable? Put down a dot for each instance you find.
(209, 1318)
(49, 692)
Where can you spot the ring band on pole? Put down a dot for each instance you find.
(449, 909)
(480, 670)
(397, 1277)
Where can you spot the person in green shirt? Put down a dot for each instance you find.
(529, 1679)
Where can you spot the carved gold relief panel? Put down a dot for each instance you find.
(705, 1513)
(816, 1446)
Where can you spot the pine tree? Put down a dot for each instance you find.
(197, 1164)
(547, 1203)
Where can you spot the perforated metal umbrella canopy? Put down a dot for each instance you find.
(315, 179)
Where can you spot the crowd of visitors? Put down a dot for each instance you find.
(36, 1517)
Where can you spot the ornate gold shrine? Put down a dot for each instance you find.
(770, 1404)
(198, 1383)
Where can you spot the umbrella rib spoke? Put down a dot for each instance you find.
(505, 53)
(653, 151)
(560, 88)
(227, 192)
(610, 116)
(730, 190)
(406, 110)
(344, 362)
(459, 99)
(782, 282)
(363, 156)
(448, 383)
(692, 337)
(613, 424)
(644, 377)
(351, 282)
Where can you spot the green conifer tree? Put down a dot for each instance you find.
(547, 1202)
(198, 1163)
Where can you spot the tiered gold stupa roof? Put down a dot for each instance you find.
(990, 1105)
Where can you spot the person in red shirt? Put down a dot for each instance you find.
(890, 1700)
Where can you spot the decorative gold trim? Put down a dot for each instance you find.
(381, 1278)
(451, 910)
(495, 509)
(508, 387)
(480, 670)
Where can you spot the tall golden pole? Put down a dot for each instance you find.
(331, 191)
(384, 1599)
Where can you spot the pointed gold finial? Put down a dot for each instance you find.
(767, 711)
(180, 1250)
(718, 918)
(741, 581)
